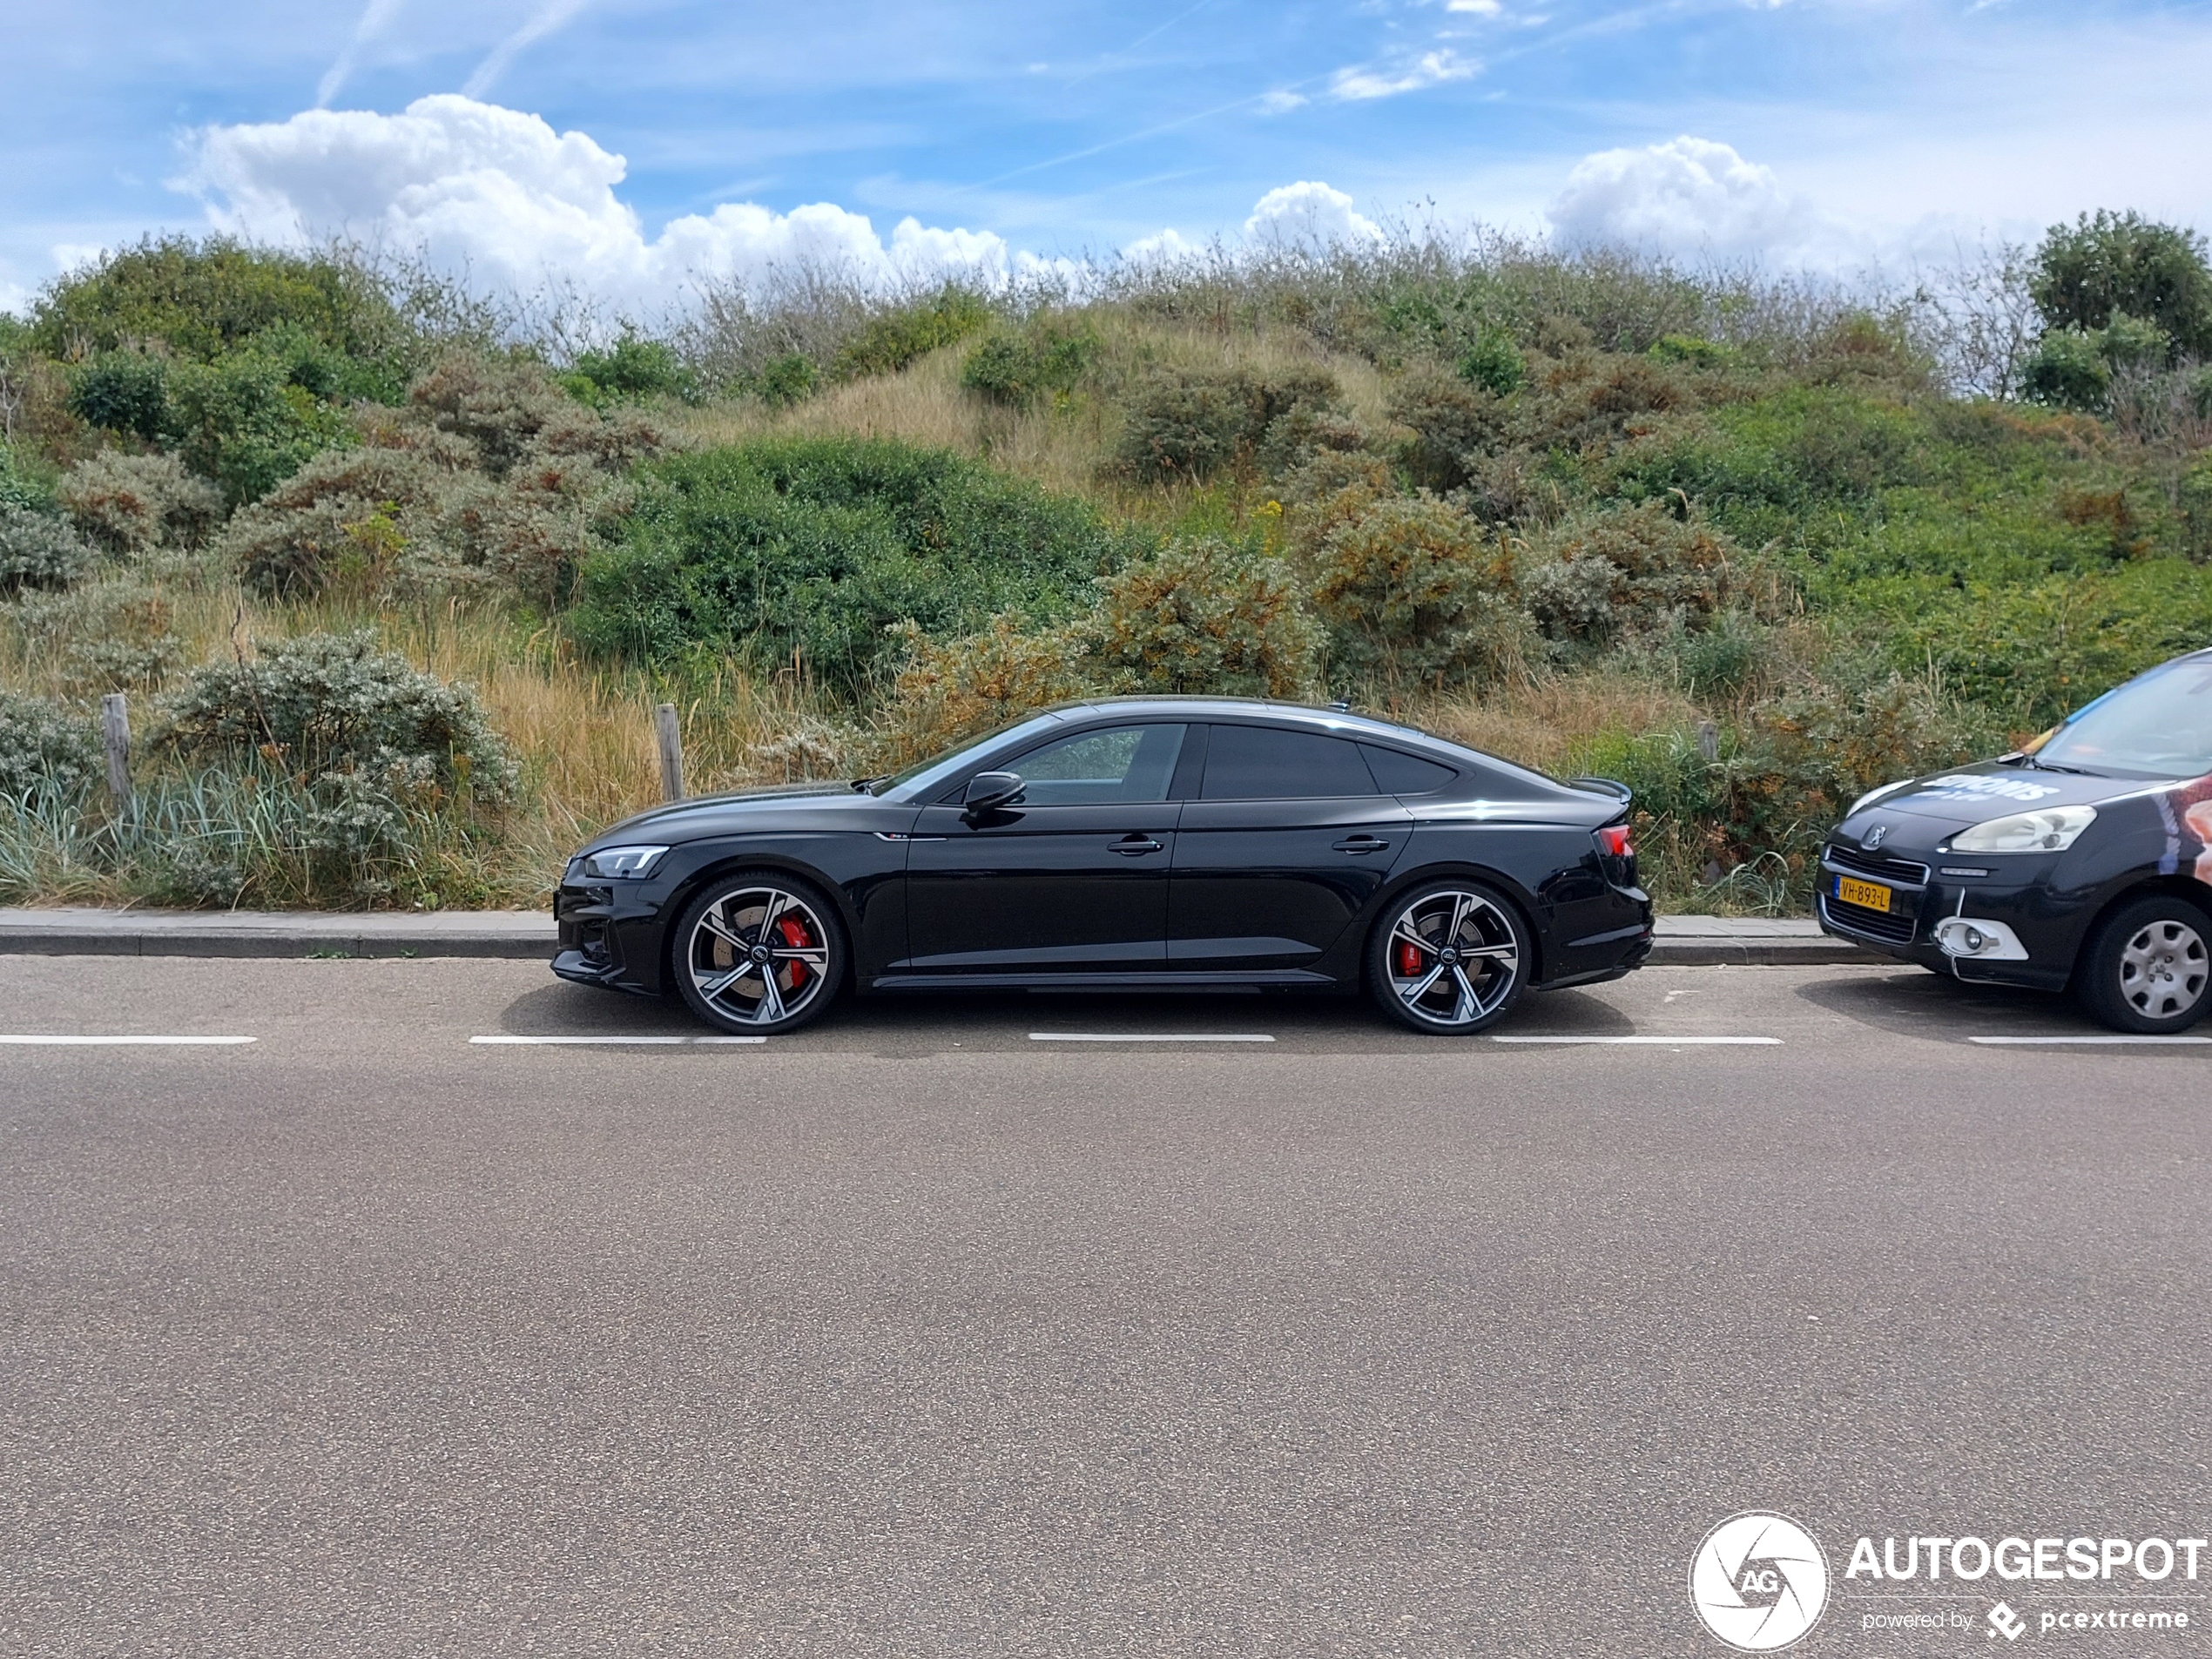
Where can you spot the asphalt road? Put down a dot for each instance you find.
(917, 1336)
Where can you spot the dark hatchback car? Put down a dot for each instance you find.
(2085, 864)
(1165, 843)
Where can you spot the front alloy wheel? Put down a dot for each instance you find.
(758, 954)
(1452, 960)
(2149, 968)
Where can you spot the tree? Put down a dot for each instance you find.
(2109, 265)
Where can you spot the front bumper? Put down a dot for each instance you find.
(2036, 926)
(607, 936)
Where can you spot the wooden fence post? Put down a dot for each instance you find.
(1708, 740)
(115, 741)
(670, 733)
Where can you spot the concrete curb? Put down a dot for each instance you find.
(1684, 941)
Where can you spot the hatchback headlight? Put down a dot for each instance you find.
(2052, 830)
(622, 861)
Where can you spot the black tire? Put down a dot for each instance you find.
(2147, 968)
(1421, 951)
(724, 931)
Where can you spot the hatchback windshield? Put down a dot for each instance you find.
(2160, 724)
(917, 780)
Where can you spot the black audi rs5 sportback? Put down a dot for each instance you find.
(2083, 861)
(1125, 843)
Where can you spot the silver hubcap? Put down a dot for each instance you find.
(2163, 969)
(759, 955)
(1453, 958)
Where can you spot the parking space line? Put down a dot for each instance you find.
(56, 1040)
(1658, 1042)
(1163, 1036)
(2087, 1041)
(570, 1040)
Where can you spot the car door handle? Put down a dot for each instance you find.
(1362, 844)
(1132, 845)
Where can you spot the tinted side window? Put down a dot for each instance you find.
(1399, 773)
(1123, 764)
(1257, 763)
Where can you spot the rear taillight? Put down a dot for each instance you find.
(1613, 841)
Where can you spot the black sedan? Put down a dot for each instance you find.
(1129, 844)
(2086, 863)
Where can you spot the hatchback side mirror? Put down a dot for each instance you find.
(989, 790)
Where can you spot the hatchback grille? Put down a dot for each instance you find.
(1893, 926)
(1896, 872)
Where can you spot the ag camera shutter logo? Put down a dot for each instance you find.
(1759, 1582)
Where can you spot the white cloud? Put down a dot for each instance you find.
(1169, 247)
(1307, 214)
(1686, 196)
(1278, 101)
(1430, 69)
(498, 194)
(1479, 8)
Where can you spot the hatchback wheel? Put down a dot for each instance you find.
(758, 953)
(1452, 958)
(2148, 968)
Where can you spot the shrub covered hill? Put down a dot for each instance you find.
(392, 578)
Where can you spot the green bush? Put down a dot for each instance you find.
(123, 391)
(333, 704)
(134, 505)
(45, 747)
(894, 338)
(2111, 265)
(1493, 362)
(1455, 426)
(787, 380)
(241, 423)
(630, 370)
(104, 636)
(1185, 426)
(1410, 589)
(38, 550)
(202, 298)
(810, 549)
(1202, 615)
(1018, 369)
(1628, 570)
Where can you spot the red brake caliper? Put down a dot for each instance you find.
(1409, 960)
(794, 932)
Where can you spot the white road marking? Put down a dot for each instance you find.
(565, 1042)
(1660, 1042)
(43, 1040)
(1125, 1036)
(2100, 1042)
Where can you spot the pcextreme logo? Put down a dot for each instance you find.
(1759, 1582)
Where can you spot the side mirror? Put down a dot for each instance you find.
(989, 790)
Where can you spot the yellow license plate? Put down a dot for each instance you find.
(1867, 895)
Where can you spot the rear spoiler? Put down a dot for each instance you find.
(1612, 787)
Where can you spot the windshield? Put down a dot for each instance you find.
(918, 781)
(2159, 724)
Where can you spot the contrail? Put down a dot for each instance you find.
(374, 16)
(554, 14)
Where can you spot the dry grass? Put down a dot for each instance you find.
(1062, 446)
(1546, 722)
(584, 736)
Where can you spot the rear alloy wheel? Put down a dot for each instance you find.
(1451, 959)
(2148, 968)
(758, 953)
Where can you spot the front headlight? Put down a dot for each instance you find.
(2052, 830)
(622, 861)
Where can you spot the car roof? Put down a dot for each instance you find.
(1330, 718)
(1339, 721)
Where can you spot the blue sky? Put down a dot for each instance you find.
(1827, 132)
